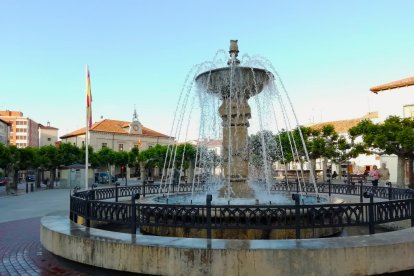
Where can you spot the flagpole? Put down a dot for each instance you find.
(87, 129)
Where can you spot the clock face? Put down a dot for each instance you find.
(135, 127)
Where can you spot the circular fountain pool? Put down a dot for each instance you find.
(266, 199)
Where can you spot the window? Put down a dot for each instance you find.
(121, 147)
(104, 145)
(49, 139)
(83, 143)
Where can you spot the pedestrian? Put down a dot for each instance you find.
(375, 174)
(385, 174)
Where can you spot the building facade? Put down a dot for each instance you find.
(47, 135)
(118, 136)
(24, 132)
(4, 132)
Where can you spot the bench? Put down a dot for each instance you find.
(356, 178)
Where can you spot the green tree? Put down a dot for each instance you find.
(49, 159)
(121, 160)
(322, 143)
(69, 154)
(133, 159)
(105, 158)
(29, 161)
(394, 136)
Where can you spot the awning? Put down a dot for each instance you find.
(395, 84)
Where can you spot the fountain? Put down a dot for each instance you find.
(237, 234)
(234, 85)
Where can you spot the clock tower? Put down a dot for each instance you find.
(135, 127)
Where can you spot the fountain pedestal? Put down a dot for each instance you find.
(235, 114)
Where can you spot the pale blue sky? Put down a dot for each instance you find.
(328, 53)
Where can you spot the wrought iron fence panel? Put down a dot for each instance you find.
(283, 187)
(125, 191)
(398, 193)
(341, 189)
(308, 187)
(380, 192)
(114, 212)
(244, 216)
(388, 211)
(78, 205)
(104, 193)
(333, 215)
(323, 187)
(172, 215)
(155, 189)
(253, 217)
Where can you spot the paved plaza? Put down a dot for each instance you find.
(21, 252)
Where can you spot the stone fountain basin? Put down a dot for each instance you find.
(242, 81)
(229, 233)
(200, 199)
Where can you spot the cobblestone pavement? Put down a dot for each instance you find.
(21, 253)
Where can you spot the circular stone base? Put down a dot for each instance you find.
(360, 255)
(240, 234)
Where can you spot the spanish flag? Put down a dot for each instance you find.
(88, 98)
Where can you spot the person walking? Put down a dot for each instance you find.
(375, 174)
(384, 174)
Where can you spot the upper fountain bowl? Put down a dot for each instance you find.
(235, 81)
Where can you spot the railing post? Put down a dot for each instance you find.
(133, 213)
(296, 198)
(116, 191)
(371, 214)
(412, 211)
(209, 198)
(389, 184)
(361, 192)
(88, 209)
(329, 187)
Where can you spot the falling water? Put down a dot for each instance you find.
(268, 113)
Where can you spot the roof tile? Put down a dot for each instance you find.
(113, 126)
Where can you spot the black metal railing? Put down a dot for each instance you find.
(102, 205)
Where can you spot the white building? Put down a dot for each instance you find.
(118, 136)
(47, 135)
(362, 162)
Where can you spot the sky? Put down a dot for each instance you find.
(328, 54)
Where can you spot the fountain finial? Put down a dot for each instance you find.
(234, 52)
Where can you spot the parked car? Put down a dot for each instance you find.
(4, 181)
(103, 178)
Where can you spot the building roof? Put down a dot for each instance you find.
(47, 127)
(6, 122)
(342, 126)
(395, 84)
(114, 126)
